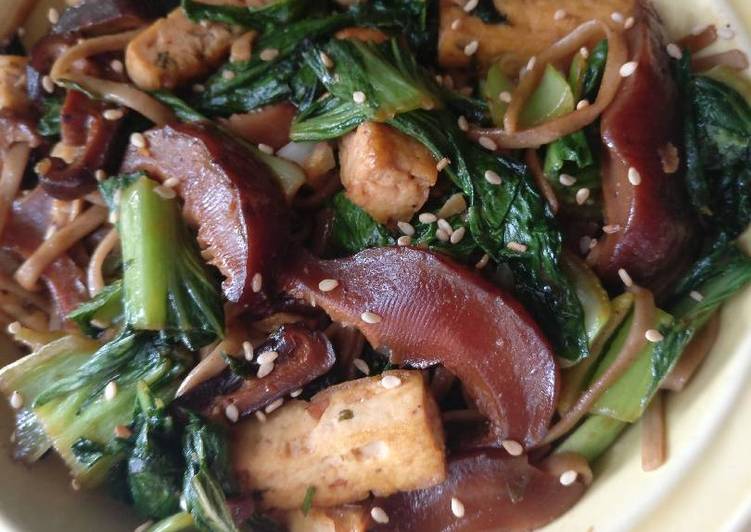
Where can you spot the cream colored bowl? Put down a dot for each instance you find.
(705, 486)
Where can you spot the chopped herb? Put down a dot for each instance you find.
(307, 502)
(346, 414)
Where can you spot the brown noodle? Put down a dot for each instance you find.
(94, 277)
(14, 162)
(654, 435)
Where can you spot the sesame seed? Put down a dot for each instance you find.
(583, 104)
(696, 296)
(113, 114)
(442, 235)
(462, 123)
(458, 235)
(445, 226)
(14, 328)
(492, 177)
(568, 477)
(584, 243)
(48, 85)
(531, 63)
(505, 97)
(248, 350)
(43, 167)
(231, 413)
(198, 88)
(443, 163)
(267, 357)
(654, 336)
(370, 317)
(110, 391)
(269, 54)
(611, 228)
(326, 60)
(112, 218)
(471, 5)
(674, 51)
(634, 177)
(488, 143)
(456, 24)
(427, 218)
(517, 246)
(117, 66)
(514, 448)
(457, 508)
(16, 400)
(625, 277)
(584, 51)
(567, 180)
(406, 228)
(361, 366)
(296, 393)
(582, 195)
(100, 175)
(265, 148)
(471, 48)
(378, 515)
(358, 97)
(256, 283)
(617, 17)
(264, 370)
(404, 240)
(164, 192)
(53, 15)
(171, 182)
(628, 69)
(122, 432)
(483, 262)
(75, 485)
(21, 32)
(630, 21)
(390, 382)
(725, 33)
(592, 243)
(228, 75)
(138, 140)
(327, 285)
(260, 416)
(274, 405)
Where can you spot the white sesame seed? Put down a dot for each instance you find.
(627, 69)
(231, 413)
(471, 48)
(531, 63)
(582, 195)
(630, 21)
(53, 15)
(568, 477)
(117, 66)
(267, 357)
(674, 51)
(378, 515)
(427, 218)
(517, 246)
(492, 177)
(654, 336)
(358, 97)
(171, 182)
(698, 29)
(462, 123)
(296, 393)
(16, 400)
(75, 485)
(164, 192)
(326, 60)
(584, 51)
(248, 350)
(138, 140)
(14, 328)
(260, 416)
(327, 285)
(456, 24)
(442, 235)
(404, 240)
(625, 277)
(48, 85)
(264, 370)
(122, 432)
(483, 262)
(470, 5)
(592, 243)
(228, 75)
(725, 33)
(390, 382)
(274, 405)
(458, 235)
(361, 366)
(406, 228)
(567, 180)
(100, 175)
(198, 88)
(113, 114)
(110, 391)
(445, 226)
(634, 177)
(617, 17)
(696, 296)
(113, 217)
(265, 148)
(560, 14)
(611, 228)
(457, 508)
(583, 104)
(514, 448)
(584, 243)
(488, 143)
(256, 283)
(443, 163)
(269, 54)
(370, 317)
(21, 32)
(505, 97)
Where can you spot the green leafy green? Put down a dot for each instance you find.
(573, 156)
(49, 122)
(353, 230)
(595, 71)
(593, 437)
(179, 522)
(103, 309)
(265, 18)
